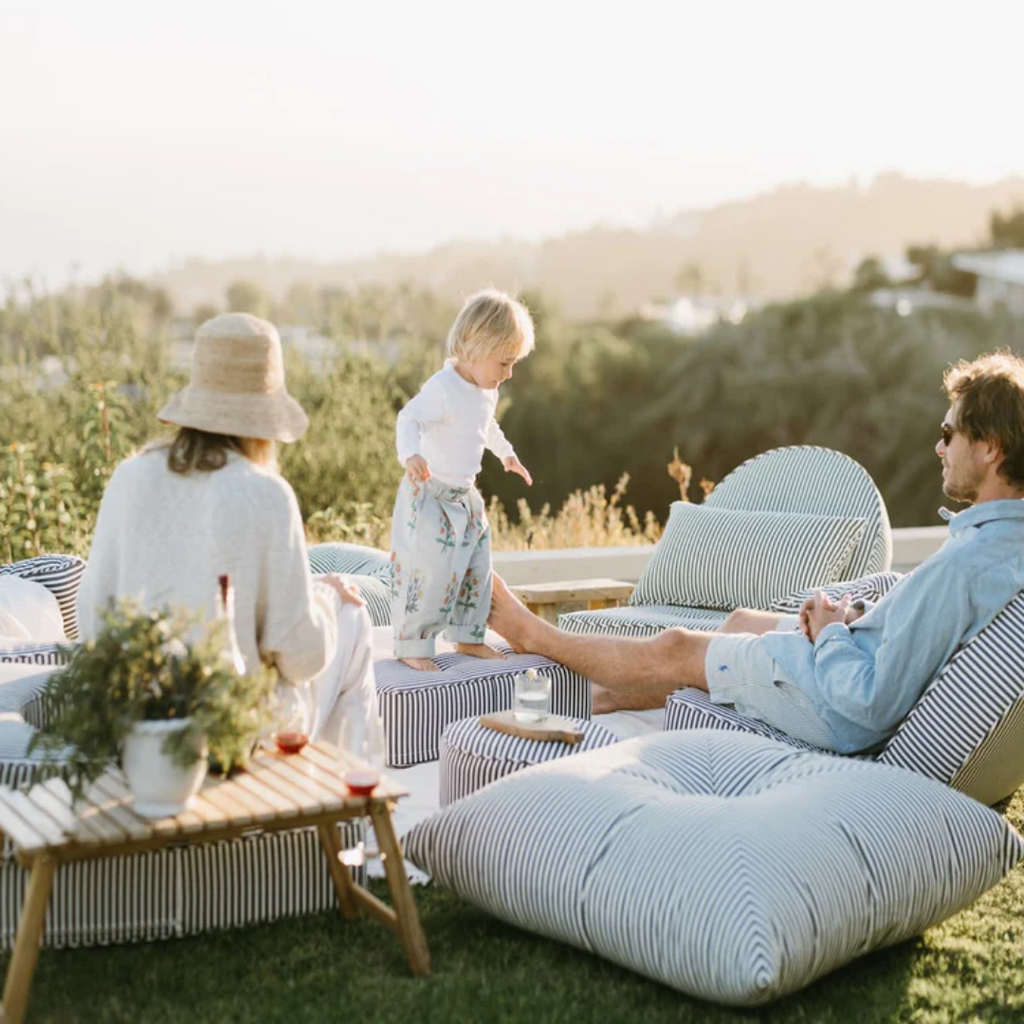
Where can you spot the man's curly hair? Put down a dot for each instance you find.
(990, 393)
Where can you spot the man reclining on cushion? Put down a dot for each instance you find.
(847, 678)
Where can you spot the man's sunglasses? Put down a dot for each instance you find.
(947, 434)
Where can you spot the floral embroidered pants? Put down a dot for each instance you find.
(440, 567)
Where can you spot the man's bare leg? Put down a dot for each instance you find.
(638, 674)
(748, 620)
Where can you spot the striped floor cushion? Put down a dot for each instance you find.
(868, 588)
(354, 559)
(31, 654)
(416, 707)
(731, 867)
(641, 620)
(61, 575)
(473, 756)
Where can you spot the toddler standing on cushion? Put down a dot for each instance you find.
(440, 540)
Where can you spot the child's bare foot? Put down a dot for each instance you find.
(420, 664)
(480, 651)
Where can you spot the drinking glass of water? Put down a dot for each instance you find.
(532, 701)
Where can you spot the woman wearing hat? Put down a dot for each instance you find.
(210, 501)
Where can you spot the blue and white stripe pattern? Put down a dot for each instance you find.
(868, 588)
(416, 707)
(61, 575)
(813, 481)
(967, 729)
(730, 867)
(28, 653)
(645, 620)
(726, 558)
(369, 568)
(473, 756)
(351, 559)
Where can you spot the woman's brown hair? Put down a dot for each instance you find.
(203, 452)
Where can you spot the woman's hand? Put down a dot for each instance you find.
(348, 592)
(417, 468)
(513, 465)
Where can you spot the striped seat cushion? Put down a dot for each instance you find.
(473, 756)
(416, 707)
(33, 654)
(867, 588)
(641, 621)
(723, 558)
(61, 575)
(731, 867)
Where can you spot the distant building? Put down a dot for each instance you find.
(905, 301)
(1000, 278)
(689, 315)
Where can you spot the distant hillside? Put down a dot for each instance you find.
(786, 242)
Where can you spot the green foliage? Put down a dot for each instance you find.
(143, 666)
(1007, 232)
(869, 275)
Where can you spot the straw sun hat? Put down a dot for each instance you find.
(237, 385)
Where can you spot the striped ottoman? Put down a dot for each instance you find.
(473, 756)
(416, 707)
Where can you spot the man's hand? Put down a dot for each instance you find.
(348, 592)
(417, 468)
(818, 612)
(852, 615)
(513, 465)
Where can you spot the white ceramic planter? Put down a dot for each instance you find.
(160, 786)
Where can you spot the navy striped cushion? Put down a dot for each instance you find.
(61, 575)
(968, 727)
(868, 588)
(725, 559)
(641, 621)
(473, 756)
(377, 595)
(32, 654)
(814, 481)
(731, 867)
(416, 707)
(350, 558)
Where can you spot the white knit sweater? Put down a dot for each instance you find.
(165, 538)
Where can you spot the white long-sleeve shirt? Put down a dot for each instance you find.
(164, 538)
(450, 423)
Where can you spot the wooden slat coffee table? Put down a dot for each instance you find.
(276, 792)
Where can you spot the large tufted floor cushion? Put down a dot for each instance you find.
(731, 867)
(416, 707)
(369, 567)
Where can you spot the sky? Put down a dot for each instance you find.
(134, 136)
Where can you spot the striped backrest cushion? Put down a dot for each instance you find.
(815, 481)
(61, 575)
(867, 588)
(967, 730)
(351, 559)
(728, 866)
(721, 558)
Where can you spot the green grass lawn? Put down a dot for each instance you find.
(325, 969)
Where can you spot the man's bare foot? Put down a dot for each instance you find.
(420, 664)
(510, 617)
(479, 651)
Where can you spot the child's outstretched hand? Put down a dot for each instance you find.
(513, 465)
(417, 468)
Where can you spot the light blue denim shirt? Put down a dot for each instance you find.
(864, 678)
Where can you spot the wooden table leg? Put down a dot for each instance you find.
(547, 611)
(26, 944)
(409, 929)
(594, 606)
(331, 843)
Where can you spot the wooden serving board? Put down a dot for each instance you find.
(554, 728)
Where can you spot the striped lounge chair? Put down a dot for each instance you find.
(798, 490)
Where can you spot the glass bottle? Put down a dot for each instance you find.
(224, 616)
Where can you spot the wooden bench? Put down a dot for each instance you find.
(544, 599)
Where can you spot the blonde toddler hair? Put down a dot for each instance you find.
(490, 325)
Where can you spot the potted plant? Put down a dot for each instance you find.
(147, 693)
